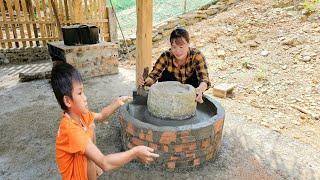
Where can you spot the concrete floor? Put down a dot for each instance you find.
(29, 118)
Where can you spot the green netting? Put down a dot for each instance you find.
(162, 10)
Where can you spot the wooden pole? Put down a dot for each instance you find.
(144, 36)
(55, 12)
(78, 12)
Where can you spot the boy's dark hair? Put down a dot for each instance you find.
(62, 76)
(177, 35)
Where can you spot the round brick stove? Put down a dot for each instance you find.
(181, 143)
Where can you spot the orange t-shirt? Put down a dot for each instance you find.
(71, 142)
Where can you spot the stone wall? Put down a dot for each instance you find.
(23, 55)
(91, 60)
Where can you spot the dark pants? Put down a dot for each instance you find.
(167, 76)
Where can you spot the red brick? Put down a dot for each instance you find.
(185, 147)
(168, 137)
(173, 158)
(130, 128)
(187, 139)
(137, 141)
(165, 148)
(149, 136)
(142, 135)
(171, 165)
(205, 143)
(218, 125)
(191, 155)
(196, 162)
(154, 146)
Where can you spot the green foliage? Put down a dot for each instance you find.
(312, 6)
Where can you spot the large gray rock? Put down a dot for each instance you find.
(172, 100)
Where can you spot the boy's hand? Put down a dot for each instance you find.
(144, 154)
(122, 100)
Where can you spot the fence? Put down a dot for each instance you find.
(28, 23)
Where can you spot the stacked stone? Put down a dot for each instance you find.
(23, 55)
(91, 60)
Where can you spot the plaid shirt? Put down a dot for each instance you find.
(195, 63)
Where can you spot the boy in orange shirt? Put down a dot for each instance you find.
(76, 154)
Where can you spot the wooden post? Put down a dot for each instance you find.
(111, 25)
(55, 12)
(30, 9)
(144, 36)
(78, 12)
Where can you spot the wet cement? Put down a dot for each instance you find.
(204, 112)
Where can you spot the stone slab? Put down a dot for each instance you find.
(172, 100)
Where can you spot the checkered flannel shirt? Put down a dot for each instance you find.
(195, 62)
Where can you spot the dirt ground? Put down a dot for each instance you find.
(271, 53)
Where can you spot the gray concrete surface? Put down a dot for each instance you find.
(29, 117)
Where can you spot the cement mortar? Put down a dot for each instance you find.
(204, 112)
(172, 100)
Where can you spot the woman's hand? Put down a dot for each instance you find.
(199, 91)
(147, 82)
(199, 94)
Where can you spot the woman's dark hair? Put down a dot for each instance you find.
(177, 35)
(62, 77)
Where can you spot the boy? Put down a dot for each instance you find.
(76, 154)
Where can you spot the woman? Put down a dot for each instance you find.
(180, 63)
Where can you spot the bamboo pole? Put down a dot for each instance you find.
(3, 45)
(40, 19)
(57, 18)
(26, 18)
(30, 9)
(13, 26)
(18, 16)
(46, 19)
(6, 27)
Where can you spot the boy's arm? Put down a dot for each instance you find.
(116, 160)
(107, 111)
